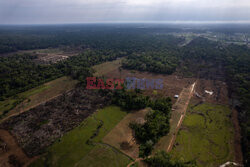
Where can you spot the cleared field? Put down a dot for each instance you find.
(33, 97)
(107, 67)
(85, 141)
(50, 55)
(206, 135)
(121, 137)
(219, 91)
(173, 84)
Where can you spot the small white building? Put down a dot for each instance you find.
(176, 96)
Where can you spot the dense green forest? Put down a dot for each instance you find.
(164, 62)
(129, 38)
(19, 73)
(238, 79)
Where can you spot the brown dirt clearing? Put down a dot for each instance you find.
(12, 148)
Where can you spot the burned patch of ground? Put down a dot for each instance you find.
(79, 152)
(41, 126)
(35, 96)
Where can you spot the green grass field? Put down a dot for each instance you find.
(104, 68)
(36, 96)
(12, 102)
(206, 136)
(104, 156)
(72, 149)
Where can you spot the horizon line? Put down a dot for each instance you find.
(136, 22)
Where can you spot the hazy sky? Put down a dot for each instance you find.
(80, 11)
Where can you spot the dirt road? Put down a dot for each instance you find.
(181, 104)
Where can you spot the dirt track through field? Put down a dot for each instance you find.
(182, 104)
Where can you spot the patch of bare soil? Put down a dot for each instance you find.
(39, 127)
(51, 58)
(219, 91)
(173, 84)
(51, 55)
(11, 155)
